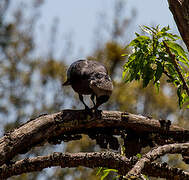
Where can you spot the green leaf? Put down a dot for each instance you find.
(105, 172)
(146, 177)
(123, 74)
(109, 170)
(137, 34)
(177, 48)
(146, 29)
(159, 71)
(171, 70)
(157, 86)
(148, 73)
(138, 155)
(179, 94)
(149, 60)
(165, 29)
(123, 55)
(99, 170)
(139, 39)
(183, 61)
(185, 97)
(170, 36)
(104, 175)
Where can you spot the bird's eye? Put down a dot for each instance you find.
(99, 75)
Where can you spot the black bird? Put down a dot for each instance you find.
(90, 77)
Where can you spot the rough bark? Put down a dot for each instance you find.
(91, 160)
(180, 11)
(156, 153)
(72, 122)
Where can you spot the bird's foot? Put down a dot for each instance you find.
(95, 111)
(92, 112)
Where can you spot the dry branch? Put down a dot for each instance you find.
(156, 153)
(91, 160)
(71, 122)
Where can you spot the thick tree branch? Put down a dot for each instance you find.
(172, 56)
(91, 160)
(156, 153)
(180, 11)
(71, 122)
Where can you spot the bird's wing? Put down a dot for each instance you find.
(84, 69)
(93, 67)
(76, 69)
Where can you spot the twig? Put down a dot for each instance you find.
(169, 76)
(172, 56)
(155, 153)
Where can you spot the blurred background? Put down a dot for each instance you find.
(40, 39)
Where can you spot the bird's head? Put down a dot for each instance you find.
(102, 86)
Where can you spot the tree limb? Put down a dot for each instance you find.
(91, 160)
(156, 153)
(70, 122)
(180, 11)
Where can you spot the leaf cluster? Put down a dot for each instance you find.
(149, 60)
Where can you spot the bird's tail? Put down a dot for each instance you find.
(67, 83)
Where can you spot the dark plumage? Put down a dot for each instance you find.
(90, 77)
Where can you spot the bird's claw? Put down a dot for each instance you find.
(95, 111)
(91, 111)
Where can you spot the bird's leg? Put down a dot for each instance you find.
(94, 109)
(96, 106)
(81, 99)
(92, 99)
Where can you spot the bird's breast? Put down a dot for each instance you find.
(82, 87)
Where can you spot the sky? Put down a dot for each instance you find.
(78, 22)
(79, 18)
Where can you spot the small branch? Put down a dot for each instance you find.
(172, 56)
(168, 75)
(91, 160)
(72, 122)
(156, 153)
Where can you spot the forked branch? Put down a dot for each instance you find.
(156, 153)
